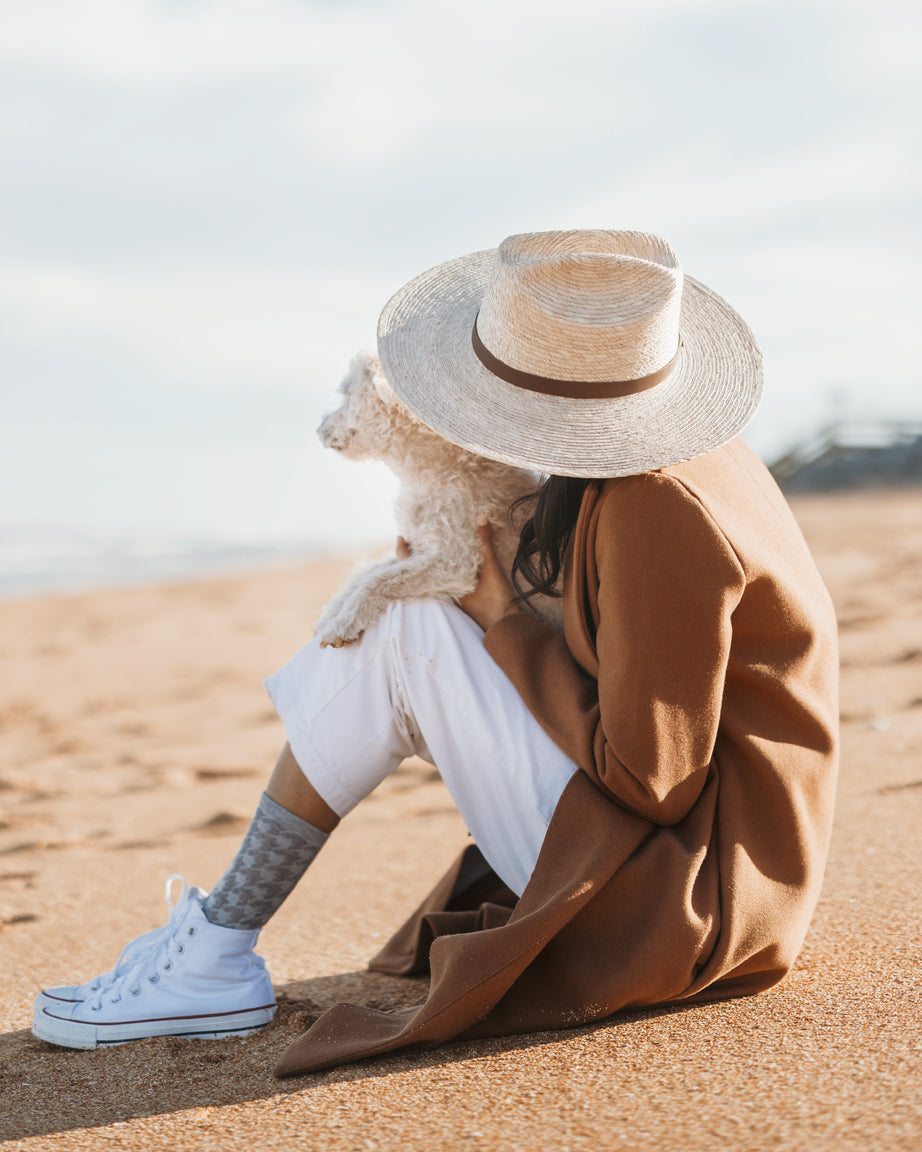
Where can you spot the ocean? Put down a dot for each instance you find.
(38, 562)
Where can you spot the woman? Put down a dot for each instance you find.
(651, 797)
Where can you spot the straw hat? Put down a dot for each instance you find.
(581, 353)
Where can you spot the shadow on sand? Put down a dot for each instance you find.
(49, 1090)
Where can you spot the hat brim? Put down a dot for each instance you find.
(425, 349)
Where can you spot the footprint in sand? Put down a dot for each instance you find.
(67, 747)
(859, 620)
(859, 717)
(265, 716)
(207, 774)
(21, 918)
(132, 728)
(20, 879)
(889, 789)
(24, 846)
(130, 845)
(221, 824)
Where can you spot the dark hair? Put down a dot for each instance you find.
(545, 536)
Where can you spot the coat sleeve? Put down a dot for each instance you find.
(668, 584)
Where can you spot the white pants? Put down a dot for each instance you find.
(421, 682)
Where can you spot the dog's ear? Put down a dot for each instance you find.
(385, 392)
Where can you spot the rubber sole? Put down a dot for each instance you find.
(78, 1034)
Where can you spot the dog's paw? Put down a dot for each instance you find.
(339, 630)
(337, 641)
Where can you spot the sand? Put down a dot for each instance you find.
(135, 738)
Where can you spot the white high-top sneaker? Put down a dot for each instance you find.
(131, 953)
(191, 978)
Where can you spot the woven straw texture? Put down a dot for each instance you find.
(424, 344)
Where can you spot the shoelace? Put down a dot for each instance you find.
(134, 965)
(135, 949)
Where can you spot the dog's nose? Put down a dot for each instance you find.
(333, 435)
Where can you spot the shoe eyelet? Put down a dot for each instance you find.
(115, 999)
(155, 979)
(168, 966)
(193, 931)
(180, 949)
(136, 991)
(95, 1007)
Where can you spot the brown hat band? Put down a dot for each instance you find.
(572, 389)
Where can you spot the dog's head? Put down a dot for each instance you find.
(370, 422)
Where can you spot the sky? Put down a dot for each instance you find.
(205, 205)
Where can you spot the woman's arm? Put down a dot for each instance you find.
(668, 583)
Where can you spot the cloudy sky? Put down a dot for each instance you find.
(206, 204)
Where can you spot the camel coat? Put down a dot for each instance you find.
(696, 690)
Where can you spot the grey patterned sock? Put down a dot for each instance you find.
(275, 854)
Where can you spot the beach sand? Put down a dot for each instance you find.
(135, 738)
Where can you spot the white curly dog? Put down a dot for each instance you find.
(444, 491)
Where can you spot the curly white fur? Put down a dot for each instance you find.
(444, 489)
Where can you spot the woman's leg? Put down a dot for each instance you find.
(421, 682)
(289, 787)
(289, 827)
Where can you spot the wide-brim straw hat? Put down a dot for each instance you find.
(584, 353)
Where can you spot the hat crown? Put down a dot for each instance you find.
(589, 305)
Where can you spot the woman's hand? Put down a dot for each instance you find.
(493, 598)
